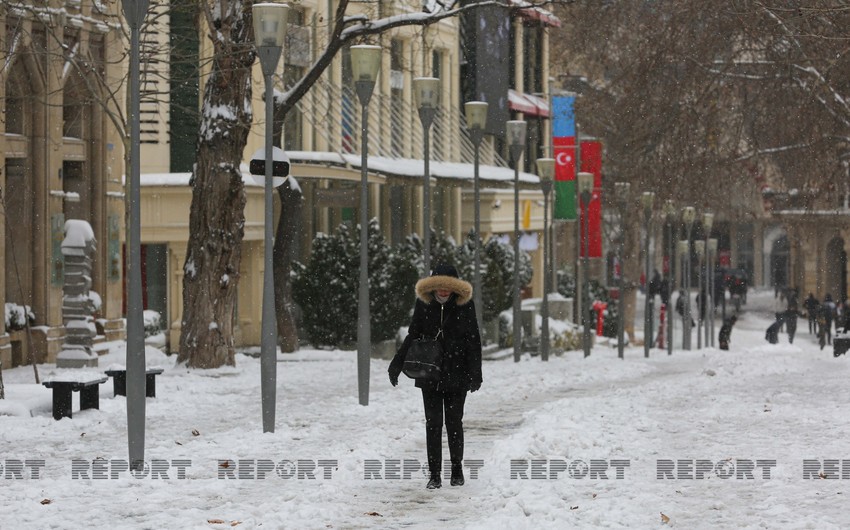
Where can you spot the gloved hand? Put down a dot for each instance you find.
(393, 377)
(474, 385)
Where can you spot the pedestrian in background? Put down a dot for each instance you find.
(811, 305)
(726, 332)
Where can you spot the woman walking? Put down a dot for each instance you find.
(445, 311)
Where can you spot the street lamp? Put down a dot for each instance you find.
(646, 199)
(134, 13)
(699, 248)
(269, 34)
(682, 249)
(670, 216)
(427, 93)
(707, 223)
(621, 190)
(476, 120)
(711, 251)
(585, 189)
(516, 143)
(688, 216)
(546, 170)
(365, 63)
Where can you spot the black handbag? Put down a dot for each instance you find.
(423, 359)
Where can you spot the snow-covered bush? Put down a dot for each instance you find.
(16, 315)
(563, 336)
(326, 288)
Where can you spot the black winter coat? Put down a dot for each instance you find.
(460, 338)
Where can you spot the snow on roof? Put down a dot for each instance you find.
(402, 167)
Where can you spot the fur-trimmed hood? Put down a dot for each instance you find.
(426, 286)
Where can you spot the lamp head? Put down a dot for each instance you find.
(270, 24)
(516, 133)
(546, 172)
(669, 209)
(427, 92)
(646, 199)
(682, 247)
(365, 62)
(712, 246)
(707, 221)
(688, 215)
(585, 182)
(476, 114)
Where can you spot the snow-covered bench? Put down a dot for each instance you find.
(119, 380)
(86, 383)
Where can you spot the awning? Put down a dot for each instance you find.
(528, 104)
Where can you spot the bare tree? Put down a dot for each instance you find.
(712, 103)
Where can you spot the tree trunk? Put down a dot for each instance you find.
(286, 238)
(216, 218)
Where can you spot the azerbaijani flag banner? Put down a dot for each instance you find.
(591, 162)
(564, 145)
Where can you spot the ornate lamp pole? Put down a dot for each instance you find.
(546, 171)
(476, 120)
(670, 216)
(134, 13)
(646, 199)
(365, 64)
(585, 188)
(711, 250)
(621, 190)
(269, 34)
(682, 249)
(427, 92)
(699, 248)
(707, 223)
(688, 216)
(516, 142)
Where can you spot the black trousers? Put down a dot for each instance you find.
(436, 403)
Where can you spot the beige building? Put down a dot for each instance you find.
(62, 139)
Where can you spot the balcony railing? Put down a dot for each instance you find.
(394, 127)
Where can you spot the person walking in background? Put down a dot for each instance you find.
(790, 318)
(827, 311)
(726, 332)
(811, 305)
(444, 310)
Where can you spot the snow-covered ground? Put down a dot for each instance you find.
(753, 414)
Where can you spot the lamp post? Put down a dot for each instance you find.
(699, 248)
(707, 223)
(646, 199)
(621, 190)
(269, 34)
(711, 251)
(670, 216)
(427, 92)
(546, 171)
(688, 216)
(134, 13)
(585, 188)
(476, 120)
(365, 64)
(516, 143)
(682, 249)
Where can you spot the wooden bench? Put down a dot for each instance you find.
(89, 395)
(119, 381)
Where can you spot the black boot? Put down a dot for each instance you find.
(434, 482)
(457, 475)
